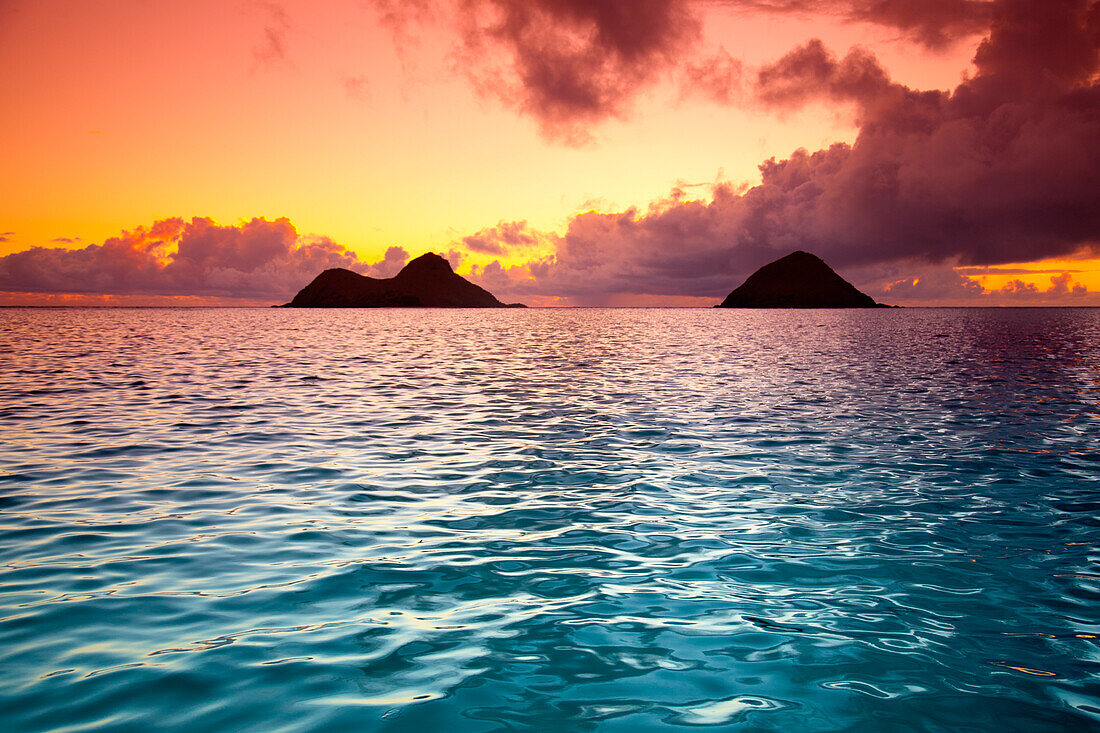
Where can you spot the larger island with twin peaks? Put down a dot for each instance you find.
(426, 282)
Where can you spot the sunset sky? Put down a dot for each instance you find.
(558, 152)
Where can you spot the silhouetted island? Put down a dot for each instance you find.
(426, 282)
(799, 280)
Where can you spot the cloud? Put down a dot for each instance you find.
(717, 78)
(1009, 271)
(573, 64)
(6, 236)
(946, 286)
(507, 237)
(1018, 288)
(1003, 169)
(454, 257)
(566, 63)
(356, 87)
(931, 285)
(390, 264)
(256, 259)
(271, 50)
(935, 24)
(576, 61)
(812, 72)
(1018, 292)
(1060, 285)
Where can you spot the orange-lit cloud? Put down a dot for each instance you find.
(509, 238)
(953, 287)
(253, 261)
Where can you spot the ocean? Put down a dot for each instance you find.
(549, 519)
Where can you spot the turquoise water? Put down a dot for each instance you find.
(575, 520)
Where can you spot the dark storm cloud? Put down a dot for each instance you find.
(568, 64)
(255, 259)
(1011, 271)
(932, 23)
(572, 64)
(1005, 168)
(811, 71)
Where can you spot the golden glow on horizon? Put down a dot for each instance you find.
(1039, 273)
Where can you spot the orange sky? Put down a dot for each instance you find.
(120, 114)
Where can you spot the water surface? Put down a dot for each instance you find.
(576, 520)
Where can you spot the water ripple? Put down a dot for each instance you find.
(550, 520)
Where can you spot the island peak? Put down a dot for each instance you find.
(798, 280)
(427, 263)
